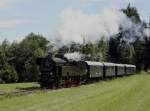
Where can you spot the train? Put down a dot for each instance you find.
(58, 72)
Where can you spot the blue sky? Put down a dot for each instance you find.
(20, 17)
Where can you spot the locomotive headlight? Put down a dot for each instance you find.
(51, 74)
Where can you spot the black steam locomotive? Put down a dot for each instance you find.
(58, 72)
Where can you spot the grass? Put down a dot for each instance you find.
(123, 94)
(8, 88)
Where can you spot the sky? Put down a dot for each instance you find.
(20, 17)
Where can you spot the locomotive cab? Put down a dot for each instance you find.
(50, 71)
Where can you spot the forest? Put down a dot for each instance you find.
(18, 59)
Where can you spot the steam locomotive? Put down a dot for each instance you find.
(57, 72)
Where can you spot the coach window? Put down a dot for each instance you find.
(67, 73)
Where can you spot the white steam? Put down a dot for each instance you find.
(147, 32)
(75, 25)
(76, 56)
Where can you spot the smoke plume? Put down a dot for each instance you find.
(76, 56)
(76, 25)
(147, 32)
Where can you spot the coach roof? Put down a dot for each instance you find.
(120, 65)
(91, 63)
(129, 65)
(109, 64)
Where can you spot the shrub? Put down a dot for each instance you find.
(9, 74)
(1, 81)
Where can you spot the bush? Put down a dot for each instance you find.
(1, 81)
(9, 74)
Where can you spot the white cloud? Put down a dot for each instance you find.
(3, 3)
(117, 3)
(6, 4)
(92, 1)
(13, 23)
(87, 1)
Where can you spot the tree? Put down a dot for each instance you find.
(102, 49)
(127, 52)
(4, 51)
(64, 49)
(9, 74)
(32, 47)
(147, 54)
(120, 49)
(139, 53)
(114, 54)
(132, 13)
(90, 51)
(75, 47)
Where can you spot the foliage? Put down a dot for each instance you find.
(120, 50)
(9, 74)
(20, 58)
(147, 53)
(97, 51)
(139, 51)
(132, 13)
(113, 50)
(32, 47)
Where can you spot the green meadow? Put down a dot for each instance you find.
(130, 93)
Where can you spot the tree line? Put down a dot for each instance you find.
(18, 59)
